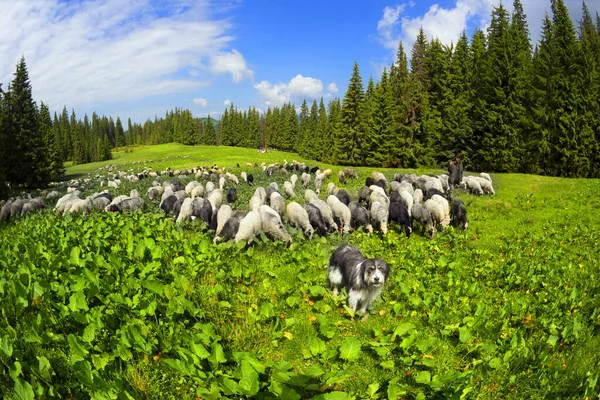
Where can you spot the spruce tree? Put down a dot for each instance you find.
(54, 168)
(254, 133)
(310, 134)
(333, 124)
(473, 152)
(119, 134)
(210, 134)
(301, 145)
(4, 143)
(319, 141)
(437, 86)
(399, 92)
(380, 142)
(350, 134)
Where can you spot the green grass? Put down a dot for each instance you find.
(509, 309)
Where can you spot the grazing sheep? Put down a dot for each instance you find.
(177, 208)
(486, 176)
(444, 203)
(418, 196)
(407, 200)
(288, 189)
(369, 181)
(82, 206)
(17, 206)
(268, 191)
(294, 180)
(202, 209)
(154, 191)
(359, 216)
(52, 195)
(298, 217)
(272, 225)
(377, 196)
(444, 180)
(309, 195)
(327, 173)
(422, 216)
(380, 215)
(255, 202)
(399, 214)
(341, 212)
(316, 219)
(343, 196)
(436, 211)
(197, 191)
(167, 204)
(473, 185)
(382, 183)
(244, 176)
(305, 179)
(176, 185)
(221, 182)
(261, 193)
(398, 177)
(377, 176)
(100, 202)
(208, 188)
(342, 177)
(314, 170)
(395, 186)
(326, 212)
(250, 179)
(350, 173)
(277, 203)
(318, 184)
(231, 227)
(431, 192)
(249, 227)
(215, 198)
(190, 186)
(231, 195)
(5, 212)
(223, 214)
(32, 205)
(180, 194)
(396, 198)
(232, 178)
(332, 189)
(134, 193)
(458, 214)
(486, 185)
(128, 204)
(363, 194)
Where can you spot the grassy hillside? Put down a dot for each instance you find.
(135, 306)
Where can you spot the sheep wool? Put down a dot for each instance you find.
(185, 213)
(288, 189)
(294, 180)
(420, 214)
(277, 203)
(249, 227)
(332, 189)
(298, 218)
(190, 186)
(255, 202)
(305, 179)
(215, 198)
(379, 215)
(408, 200)
(309, 196)
(223, 214)
(272, 224)
(436, 211)
(341, 212)
(197, 191)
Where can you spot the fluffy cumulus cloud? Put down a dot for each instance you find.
(227, 103)
(332, 88)
(447, 23)
(298, 88)
(93, 52)
(202, 102)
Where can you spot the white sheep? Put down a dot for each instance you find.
(436, 211)
(485, 175)
(418, 196)
(232, 178)
(318, 184)
(379, 196)
(309, 196)
(486, 185)
(288, 189)
(379, 215)
(190, 186)
(332, 189)
(298, 218)
(272, 224)
(185, 213)
(221, 182)
(472, 185)
(262, 193)
(223, 215)
(341, 212)
(244, 176)
(408, 199)
(255, 202)
(215, 199)
(378, 176)
(5, 212)
(197, 191)
(82, 206)
(134, 193)
(294, 180)
(277, 203)
(305, 179)
(326, 212)
(209, 187)
(249, 227)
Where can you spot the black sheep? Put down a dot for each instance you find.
(359, 216)
(177, 207)
(399, 214)
(395, 197)
(382, 184)
(316, 219)
(107, 195)
(231, 226)
(314, 170)
(458, 214)
(250, 179)
(431, 192)
(168, 204)
(202, 209)
(270, 190)
(343, 196)
(369, 181)
(231, 195)
(177, 186)
(363, 194)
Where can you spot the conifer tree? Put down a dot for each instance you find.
(478, 110)
(333, 124)
(437, 84)
(301, 144)
(253, 129)
(119, 134)
(399, 92)
(319, 141)
(349, 139)
(4, 144)
(210, 135)
(380, 142)
(310, 134)
(53, 168)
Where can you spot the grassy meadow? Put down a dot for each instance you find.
(112, 306)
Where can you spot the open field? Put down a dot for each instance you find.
(134, 306)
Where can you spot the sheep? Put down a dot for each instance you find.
(154, 191)
(380, 215)
(272, 225)
(223, 214)
(398, 177)
(232, 178)
(316, 219)
(341, 212)
(255, 202)
(472, 185)
(294, 180)
(486, 185)
(298, 217)
(5, 212)
(318, 184)
(444, 180)
(129, 204)
(274, 185)
(197, 191)
(418, 196)
(363, 194)
(180, 194)
(458, 214)
(81, 206)
(167, 192)
(244, 176)
(326, 212)
(399, 214)
(332, 189)
(231, 195)
(202, 209)
(396, 198)
(377, 189)
(134, 193)
(395, 186)
(208, 188)
(288, 189)
(176, 185)
(250, 179)
(444, 203)
(309, 195)
(249, 227)
(32, 205)
(342, 177)
(343, 196)
(167, 204)
(422, 216)
(314, 170)
(359, 216)
(221, 182)
(177, 208)
(377, 176)
(277, 203)
(433, 191)
(436, 211)
(261, 192)
(52, 195)
(190, 186)
(231, 227)
(305, 179)
(100, 202)
(350, 173)
(486, 176)
(377, 196)
(17, 206)
(215, 198)
(327, 173)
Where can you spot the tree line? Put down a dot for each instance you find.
(507, 106)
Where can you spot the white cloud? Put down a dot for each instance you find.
(215, 114)
(297, 89)
(233, 63)
(332, 88)
(227, 103)
(202, 102)
(88, 53)
(448, 23)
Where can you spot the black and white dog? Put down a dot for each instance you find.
(364, 278)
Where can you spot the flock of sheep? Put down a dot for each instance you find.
(211, 196)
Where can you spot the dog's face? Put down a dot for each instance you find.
(376, 272)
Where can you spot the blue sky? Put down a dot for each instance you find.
(141, 58)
